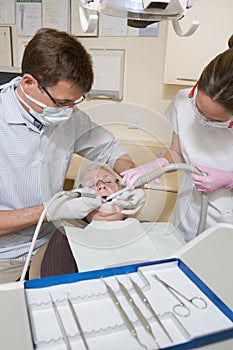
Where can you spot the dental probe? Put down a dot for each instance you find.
(61, 325)
(148, 305)
(76, 194)
(137, 311)
(77, 323)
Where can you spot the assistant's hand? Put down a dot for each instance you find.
(212, 180)
(130, 176)
(130, 201)
(66, 207)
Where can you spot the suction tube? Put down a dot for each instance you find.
(174, 167)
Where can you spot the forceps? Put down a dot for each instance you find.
(181, 309)
(123, 314)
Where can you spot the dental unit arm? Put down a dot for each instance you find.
(145, 179)
(139, 13)
(173, 167)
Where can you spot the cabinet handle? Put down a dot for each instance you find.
(187, 79)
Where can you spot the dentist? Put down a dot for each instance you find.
(40, 128)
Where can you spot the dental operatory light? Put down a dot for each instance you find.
(139, 13)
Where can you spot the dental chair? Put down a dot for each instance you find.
(34, 269)
(144, 134)
(143, 143)
(160, 199)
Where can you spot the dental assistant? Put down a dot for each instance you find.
(202, 123)
(40, 128)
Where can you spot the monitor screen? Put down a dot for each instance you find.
(7, 76)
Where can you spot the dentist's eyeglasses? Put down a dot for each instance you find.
(59, 104)
(62, 104)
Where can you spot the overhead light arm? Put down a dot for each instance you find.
(140, 13)
(177, 28)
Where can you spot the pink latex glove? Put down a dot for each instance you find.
(213, 180)
(132, 175)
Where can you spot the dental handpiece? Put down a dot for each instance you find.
(116, 194)
(77, 194)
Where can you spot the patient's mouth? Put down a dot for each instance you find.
(109, 208)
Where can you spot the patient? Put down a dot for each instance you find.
(102, 179)
(58, 258)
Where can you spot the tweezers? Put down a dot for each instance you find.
(137, 311)
(124, 315)
(144, 299)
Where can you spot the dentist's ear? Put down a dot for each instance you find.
(28, 82)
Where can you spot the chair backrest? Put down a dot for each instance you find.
(144, 134)
(34, 270)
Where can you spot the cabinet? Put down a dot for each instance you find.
(185, 57)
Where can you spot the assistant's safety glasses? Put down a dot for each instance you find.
(192, 97)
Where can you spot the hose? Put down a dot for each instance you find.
(174, 167)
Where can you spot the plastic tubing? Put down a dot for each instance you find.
(174, 167)
(37, 230)
(73, 193)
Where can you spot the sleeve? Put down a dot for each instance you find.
(179, 112)
(171, 114)
(94, 142)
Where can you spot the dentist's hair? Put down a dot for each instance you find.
(216, 80)
(52, 56)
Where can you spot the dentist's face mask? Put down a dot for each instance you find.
(201, 120)
(51, 115)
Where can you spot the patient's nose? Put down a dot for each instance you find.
(100, 184)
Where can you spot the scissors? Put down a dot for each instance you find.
(181, 309)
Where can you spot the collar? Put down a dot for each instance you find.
(13, 110)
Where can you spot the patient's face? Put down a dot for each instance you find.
(104, 183)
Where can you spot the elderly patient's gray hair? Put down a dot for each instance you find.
(90, 166)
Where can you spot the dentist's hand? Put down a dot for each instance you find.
(130, 176)
(212, 180)
(66, 207)
(130, 201)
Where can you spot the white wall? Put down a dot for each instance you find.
(144, 64)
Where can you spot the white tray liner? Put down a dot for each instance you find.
(101, 321)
